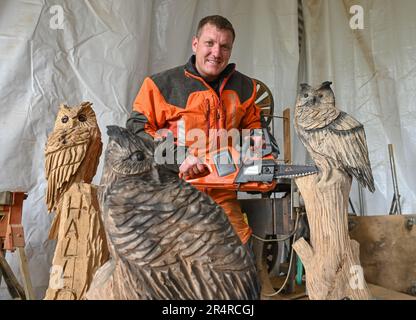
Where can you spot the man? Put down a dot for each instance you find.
(207, 93)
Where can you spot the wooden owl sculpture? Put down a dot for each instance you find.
(168, 240)
(72, 151)
(332, 137)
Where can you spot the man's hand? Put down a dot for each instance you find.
(193, 168)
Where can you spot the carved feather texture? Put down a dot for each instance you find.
(333, 135)
(317, 117)
(72, 151)
(170, 241)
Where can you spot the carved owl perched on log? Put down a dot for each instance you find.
(72, 151)
(168, 240)
(332, 137)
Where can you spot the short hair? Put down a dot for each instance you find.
(220, 22)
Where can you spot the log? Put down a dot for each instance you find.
(331, 260)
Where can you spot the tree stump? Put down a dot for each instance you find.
(331, 260)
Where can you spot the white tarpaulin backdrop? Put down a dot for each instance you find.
(102, 54)
(106, 47)
(374, 76)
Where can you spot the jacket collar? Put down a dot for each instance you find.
(190, 67)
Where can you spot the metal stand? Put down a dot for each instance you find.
(352, 206)
(395, 207)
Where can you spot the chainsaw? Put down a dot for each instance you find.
(231, 170)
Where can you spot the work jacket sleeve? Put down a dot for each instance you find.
(149, 109)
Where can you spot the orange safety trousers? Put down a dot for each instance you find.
(228, 201)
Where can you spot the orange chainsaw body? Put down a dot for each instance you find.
(224, 166)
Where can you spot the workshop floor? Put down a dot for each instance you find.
(299, 293)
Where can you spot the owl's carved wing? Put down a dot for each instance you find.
(183, 244)
(344, 141)
(64, 153)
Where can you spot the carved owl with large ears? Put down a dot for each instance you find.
(332, 137)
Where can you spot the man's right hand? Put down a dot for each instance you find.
(193, 168)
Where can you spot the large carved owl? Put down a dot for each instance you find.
(72, 151)
(168, 240)
(332, 137)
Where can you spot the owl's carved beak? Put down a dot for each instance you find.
(72, 123)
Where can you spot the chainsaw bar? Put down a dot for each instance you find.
(293, 170)
(269, 170)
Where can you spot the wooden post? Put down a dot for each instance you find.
(14, 287)
(24, 269)
(331, 260)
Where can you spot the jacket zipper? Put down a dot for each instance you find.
(208, 115)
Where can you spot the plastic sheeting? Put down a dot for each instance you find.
(373, 71)
(102, 53)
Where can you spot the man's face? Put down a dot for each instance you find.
(212, 50)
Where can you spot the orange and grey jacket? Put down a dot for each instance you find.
(182, 94)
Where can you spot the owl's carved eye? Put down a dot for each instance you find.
(306, 95)
(64, 119)
(82, 117)
(321, 95)
(137, 156)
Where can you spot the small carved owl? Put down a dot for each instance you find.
(168, 240)
(72, 151)
(332, 137)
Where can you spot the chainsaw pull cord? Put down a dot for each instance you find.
(291, 254)
(282, 238)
